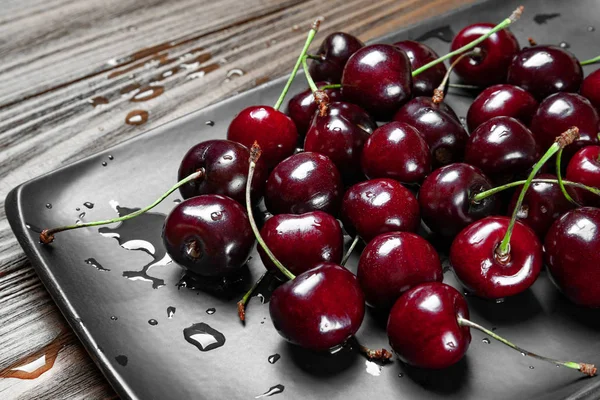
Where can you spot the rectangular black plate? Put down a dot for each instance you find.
(162, 364)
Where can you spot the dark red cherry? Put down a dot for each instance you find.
(274, 131)
(209, 235)
(304, 182)
(584, 167)
(378, 78)
(445, 198)
(544, 70)
(590, 88)
(302, 107)
(439, 126)
(502, 148)
(396, 150)
(559, 112)
(420, 54)
(341, 135)
(335, 50)
(225, 166)
(319, 309)
(394, 262)
(301, 242)
(542, 205)
(423, 328)
(501, 100)
(572, 255)
(482, 271)
(497, 52)
(378, 206)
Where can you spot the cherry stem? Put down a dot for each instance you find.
(255, 152)
(590, 61)
(311, 83)
(488, 193)
(319, 95)
(241, 305)
(463, 86)
(350, 249)
(513, 17)
(311, 35)
(382, 355)
(315, 57)
(561, 141)
(587, 369)
(47, 235)
(438, 93)
(560, 180)
(331, 86)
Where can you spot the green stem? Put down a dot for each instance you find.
(439, 92)
(484, 195)
(242, 303)
(560, 180)
(513, 17)
(350, 249)
(590, 61)
(331, 86)
(588, 369)
(315, 57)
(309, 39)
(309, 79)
(47, 235)
(463, 86)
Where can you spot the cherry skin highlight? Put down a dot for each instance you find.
(302, 107)
(335, 50)
(319, 309)
(394, 262)
(423, 328)
(420, 54)
(396, 150)
(209, 235)
(479, 268)
(225, 165)
(590, 88)
(584, 167)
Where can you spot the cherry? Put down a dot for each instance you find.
(423, 328)
(497, 52)
(302, 107)
(590, 88)
(502, 148)
(396, 150)
(572, 255)
(584, 167)
(224, 166)
(319, 309)
(445, 198)
(378, 206)
(420, 54)
(501, 100)
(335, 50)
(378, 78)
(394, 262)
(304, 182)
(209, 235)
(544, 70)
(439, 126)
(301, 242)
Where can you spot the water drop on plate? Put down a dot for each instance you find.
(88, 204)
(170, 311)
(122, 360)
(94, 263)
(48, 206)
(153, 322)
(104, 163)
(274, 358)
(203, 336)
(400, 375)
(531, 367)
(210, 123)
(564, 45)
(485, 340)
(589, 29)
(211, 311)
(114, 317)
(272, 390)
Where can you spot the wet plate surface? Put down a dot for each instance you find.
(156, 335)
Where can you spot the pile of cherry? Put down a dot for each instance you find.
(328, 158)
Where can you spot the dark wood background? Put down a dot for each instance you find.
(77, 77)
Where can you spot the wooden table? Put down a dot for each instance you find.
(72, 75)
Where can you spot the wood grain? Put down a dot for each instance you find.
(70, 73)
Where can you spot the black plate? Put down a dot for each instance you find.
(156, 361)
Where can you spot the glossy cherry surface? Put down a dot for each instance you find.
(497, 52)
(396, 150)
(209, 235)
(394, 262)
(476, 263)
(378, 206)
(225, 166)
(544, 70)
(302, 107)
(319, 309)
(502, 148)
(439, 126)
(445, 198)
(501, 100)
(304, 182)
(423, 327)
(301, 242)
(584, 167)
(335, 50)
(590, 88)
(274, 131)
(571, 249)
(420, 54)
(378, 78)
(542, 205)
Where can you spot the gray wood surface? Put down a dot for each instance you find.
(73, 72)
